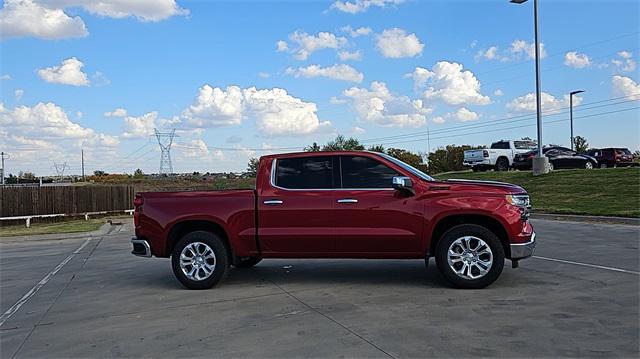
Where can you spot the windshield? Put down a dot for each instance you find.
(407, 167)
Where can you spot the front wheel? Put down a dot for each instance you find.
(200, 260)
(470, 256)
(588, 165)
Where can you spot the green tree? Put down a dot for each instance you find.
(408, 157)
(580, 144)
(312, 148)
(341, 143)
(138, 174)
(11, 179)
(448, 159)
(376, 148)
(252, 167)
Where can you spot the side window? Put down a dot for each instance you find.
(364, 172)
(502, 145)
(304, 172)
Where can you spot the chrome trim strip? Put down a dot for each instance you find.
(272, 182)
(145, 244)
(272, 201)
(347, 200)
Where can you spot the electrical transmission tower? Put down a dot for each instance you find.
(60, 168)
(165, 140)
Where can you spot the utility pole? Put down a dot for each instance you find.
(2, 154)
(83, 178)
(540, 163)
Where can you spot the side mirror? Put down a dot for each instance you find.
(402, 184)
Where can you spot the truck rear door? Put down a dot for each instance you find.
(295, 206)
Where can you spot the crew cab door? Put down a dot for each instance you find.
(371, 217)
(295, 207)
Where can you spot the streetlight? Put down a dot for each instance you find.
(540, 162)
(571, 112)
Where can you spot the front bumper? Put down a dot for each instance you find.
(141, 248)
(523, 250)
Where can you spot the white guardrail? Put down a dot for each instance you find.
(86, 215)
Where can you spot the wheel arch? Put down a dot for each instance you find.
(184, 227)
(486, 221)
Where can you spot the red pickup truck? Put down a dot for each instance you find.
(347, 204)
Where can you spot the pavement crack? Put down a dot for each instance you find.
(331, 319)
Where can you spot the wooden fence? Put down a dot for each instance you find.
(24, 201)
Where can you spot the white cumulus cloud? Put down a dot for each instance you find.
(336, 72)
(118, 112)
(625, 63)
(520, 47)
(22, 18)
(576, 60)
(396, 43)
(464, 114)
(625, 86)
(527, 103)
(143, 10)
(449, 82)
(140, 126)
(379, 106)
(276, 113)
(350, 55)
(68, 73)
(356, 6)
(19, 93)
(302, 45)
(361, 31)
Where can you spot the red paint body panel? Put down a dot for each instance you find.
(384, 223)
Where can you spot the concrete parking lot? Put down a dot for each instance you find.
(88, 297)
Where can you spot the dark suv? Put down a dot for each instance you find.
(612, 157)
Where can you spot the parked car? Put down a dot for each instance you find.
(559, 157)
(347, 204)
(499, 156)
(613, 157)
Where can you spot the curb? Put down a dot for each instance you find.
(105, 229)
(587, 219)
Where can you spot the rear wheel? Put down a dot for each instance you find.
(502, 164)
(200, 260)
(588, 165)
(470, 256)
(246, 262)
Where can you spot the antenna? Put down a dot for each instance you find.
(165, 140)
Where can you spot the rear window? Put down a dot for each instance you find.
(305, 172)
(502, 145)
(524, 145)
(365, 172)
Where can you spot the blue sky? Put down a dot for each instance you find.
(240, 79)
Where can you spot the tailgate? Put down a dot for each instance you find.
(473, 155)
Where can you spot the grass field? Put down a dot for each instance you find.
(71, 226)
(601, 192)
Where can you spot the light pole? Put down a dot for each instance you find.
(571, 112)
(540, 162)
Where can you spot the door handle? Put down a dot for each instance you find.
(272, 202)
(347, 200)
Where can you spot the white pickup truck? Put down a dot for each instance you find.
(498, 156)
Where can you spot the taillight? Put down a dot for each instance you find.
(532, 155)
(485, 153)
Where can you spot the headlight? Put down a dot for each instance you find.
(520, 200)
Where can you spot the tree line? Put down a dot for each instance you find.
(443, 159)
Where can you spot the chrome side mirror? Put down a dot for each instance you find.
(402, 184)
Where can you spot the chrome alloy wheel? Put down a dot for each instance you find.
(197, 261)
(470, 257)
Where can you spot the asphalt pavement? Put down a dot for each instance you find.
(88, 297)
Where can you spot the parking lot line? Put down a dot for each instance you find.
(25, 298)
(588, 265)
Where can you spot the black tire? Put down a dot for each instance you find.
(502, 164)
(475, 169)
(589, 165)
(551, 166)
(220, 259)
(246, 262)
(479, 232)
